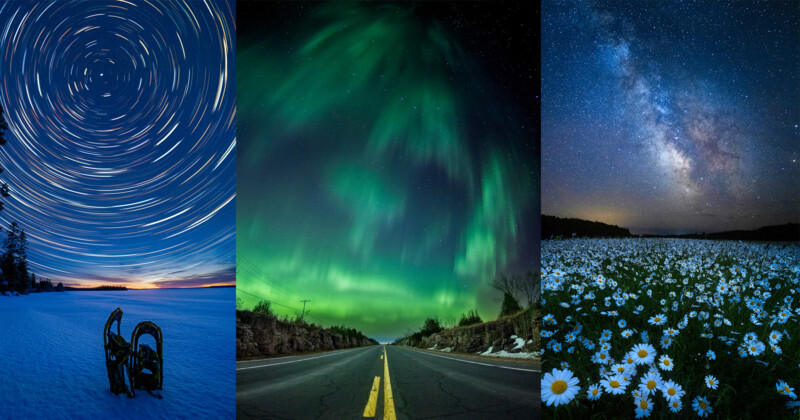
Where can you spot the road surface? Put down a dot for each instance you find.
(352, 384)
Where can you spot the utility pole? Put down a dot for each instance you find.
(304, 307)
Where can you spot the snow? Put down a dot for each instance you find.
(519, 342)
(503, 353)
(52, 362)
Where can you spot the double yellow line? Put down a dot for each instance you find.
(388, 401)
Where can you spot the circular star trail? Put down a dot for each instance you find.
(121, 143)
(671, 117)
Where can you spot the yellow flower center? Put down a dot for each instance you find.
(651, 384)
(594, 391)
(702, 405)
(658, 319)
(786, 389)
(613, 384)
(602, 356)
(620, 369)
(666, 362)
(642, 353)
(672, 391)
(711, 382)
(643, 404)
(558, 387)
(675, 404)
(752, 349)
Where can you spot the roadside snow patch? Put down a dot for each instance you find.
(519, 342)
(503, 353)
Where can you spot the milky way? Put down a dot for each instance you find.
(671, 117)
(121, 142)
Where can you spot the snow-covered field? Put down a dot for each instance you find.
(52, 363)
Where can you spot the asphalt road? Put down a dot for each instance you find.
(349, 384)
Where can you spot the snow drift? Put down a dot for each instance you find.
(52, 362)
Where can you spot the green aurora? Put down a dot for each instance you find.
(383, 173)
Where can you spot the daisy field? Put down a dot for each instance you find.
(665, 328)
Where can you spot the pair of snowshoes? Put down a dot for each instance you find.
(142, 364)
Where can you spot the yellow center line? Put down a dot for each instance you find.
(369, 410)
(388, 401)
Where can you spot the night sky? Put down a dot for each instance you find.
(388, 159)
(121, 142)
(671, 117)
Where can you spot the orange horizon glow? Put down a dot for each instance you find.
(146, 286)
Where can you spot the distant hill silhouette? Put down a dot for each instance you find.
(555, 226)
(777, 233)
(94, 289)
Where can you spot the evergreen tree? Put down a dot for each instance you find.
(470, 318)
(431, 326)
(510, 305)
(3, 127)
(14, 261)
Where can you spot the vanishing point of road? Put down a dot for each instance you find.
(389, 382)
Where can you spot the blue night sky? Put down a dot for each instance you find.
(671, 117)
(121, 142)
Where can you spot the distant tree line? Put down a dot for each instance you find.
(14, 276)
(553, 227)
(517, 289)
(789, 232)
(264, 307)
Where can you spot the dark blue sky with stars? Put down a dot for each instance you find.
(121, 142)
(671, 117)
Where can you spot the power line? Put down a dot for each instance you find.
(269, 279)
(278, 287)
(271, 302)
(275, 284)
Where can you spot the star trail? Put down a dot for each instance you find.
(671, 117)
(121, 143)
(388, 162)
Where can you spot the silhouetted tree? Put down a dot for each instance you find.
(510, 305)
(470, 318)
(263, 308)
(431, 326)
(14, 261)
(529, 287)
(504, 284)
(3, 127)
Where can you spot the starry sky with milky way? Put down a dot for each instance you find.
(671, 117)
(120, 153)
(388, 159)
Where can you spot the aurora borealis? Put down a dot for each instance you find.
(388, 159)
(121, 142)
(671, 117)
